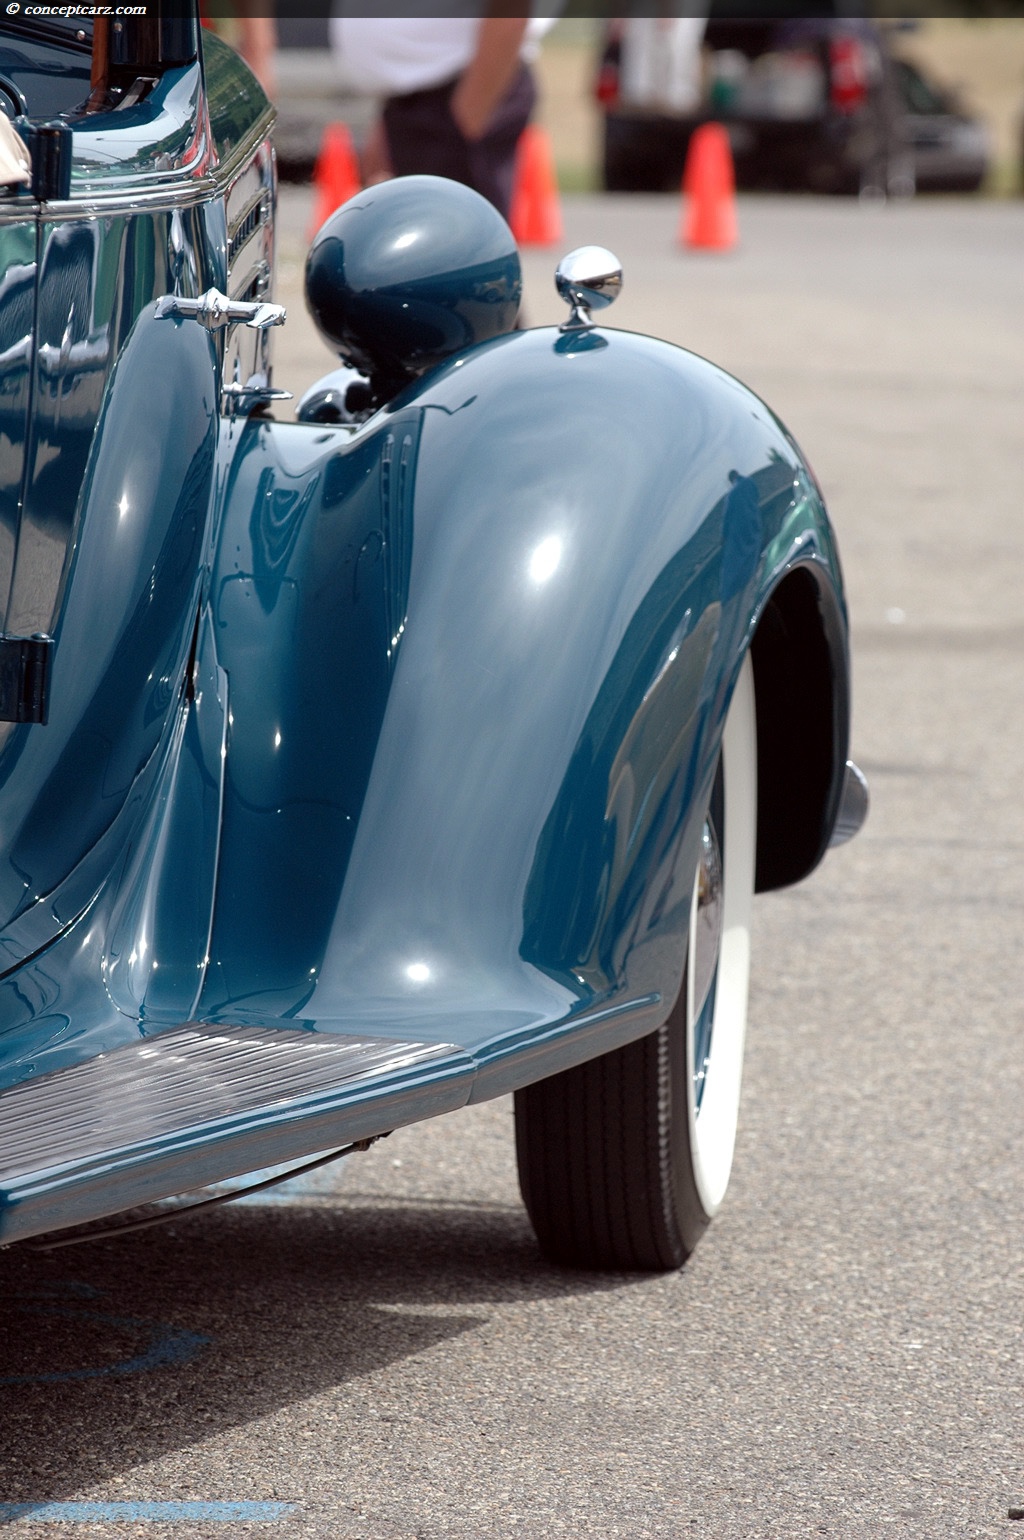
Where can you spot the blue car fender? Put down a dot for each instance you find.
(478, 654)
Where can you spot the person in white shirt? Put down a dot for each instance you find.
(458, 92)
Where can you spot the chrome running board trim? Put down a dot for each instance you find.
(197, 1104)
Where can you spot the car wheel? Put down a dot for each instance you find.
(623, 1160)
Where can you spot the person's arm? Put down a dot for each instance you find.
(257, 44)
(489, 73)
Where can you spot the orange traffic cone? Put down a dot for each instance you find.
(536, 215)
(709, 191)
(336, 175)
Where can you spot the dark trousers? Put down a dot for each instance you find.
(423, 139)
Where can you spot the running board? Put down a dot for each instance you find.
(197, 1104)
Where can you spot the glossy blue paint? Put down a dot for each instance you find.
(409, 272)
(162, 136)
(234, 99)
(125, 604)
(393, 729)
(18, 266)
(470, 714)
(107, 497)
(438, 774)
(158, 932)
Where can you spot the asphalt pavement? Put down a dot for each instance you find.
(378, 1353)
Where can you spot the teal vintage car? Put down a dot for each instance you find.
(421, 745)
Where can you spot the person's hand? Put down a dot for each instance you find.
(375, 158)
(488, 75)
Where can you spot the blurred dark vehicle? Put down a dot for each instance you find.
(952, 149)
(809, 103)
(310, 95)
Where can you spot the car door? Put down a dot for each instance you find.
(17, 331)
(107, 453)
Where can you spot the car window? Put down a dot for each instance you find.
(44, 71)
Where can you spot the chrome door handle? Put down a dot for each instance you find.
(215, 311)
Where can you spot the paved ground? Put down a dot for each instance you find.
(383, 1348)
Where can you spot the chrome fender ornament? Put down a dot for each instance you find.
(588, 278)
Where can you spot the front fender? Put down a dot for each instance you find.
(479, 655)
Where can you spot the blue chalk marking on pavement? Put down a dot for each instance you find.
(168, 1345)
(146, 1513)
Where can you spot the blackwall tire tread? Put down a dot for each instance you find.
(620, 1164)
(591, 1172)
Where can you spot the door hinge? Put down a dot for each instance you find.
(50, 147)
(25, 678)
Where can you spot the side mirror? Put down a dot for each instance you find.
(588, 278)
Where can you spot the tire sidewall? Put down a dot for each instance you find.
(704, 1141)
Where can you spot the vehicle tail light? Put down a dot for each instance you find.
(848, 74)
(606, 86)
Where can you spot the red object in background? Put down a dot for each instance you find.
(336, 174)
(606, 86)
(709, 191)
(536, 213)
(848, 74)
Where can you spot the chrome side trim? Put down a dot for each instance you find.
(17, 210)
(853, 805)
(182, 189)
